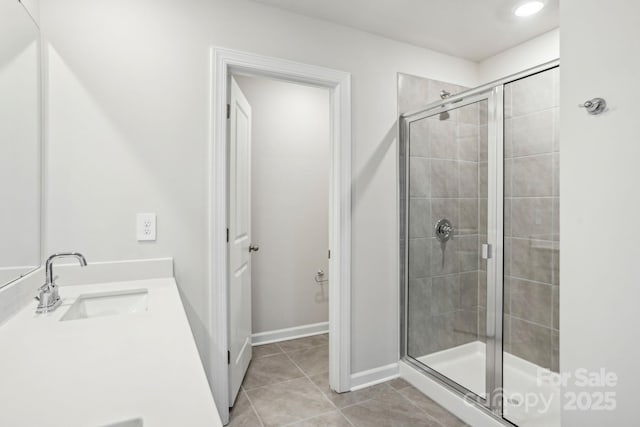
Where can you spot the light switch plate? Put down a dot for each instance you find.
(146, 226)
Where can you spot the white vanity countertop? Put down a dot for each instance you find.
(100, 371)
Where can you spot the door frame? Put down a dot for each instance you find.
(224, 63)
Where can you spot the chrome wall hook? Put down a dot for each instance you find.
(594, 106)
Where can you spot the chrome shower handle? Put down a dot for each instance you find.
(444, 230)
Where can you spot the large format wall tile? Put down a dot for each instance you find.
(531, 134)
(469, 290)
(419, 141)
(442, 139)
(468, 179)
(531, 301)
(445, 294)
(419, 257)
(532, 260)
(444, 178)
(420, 218)
(468, 147)
(532, 176)
(412, 92)
(531, 342)
(419, 177)
(468, 216)
(531, 218)
(444, 257)
(533, 94)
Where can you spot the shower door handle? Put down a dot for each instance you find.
(487, 251)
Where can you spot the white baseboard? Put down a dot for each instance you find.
(374, 376)
(290, 333)
(447, 398)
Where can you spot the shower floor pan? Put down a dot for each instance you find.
(531, 394)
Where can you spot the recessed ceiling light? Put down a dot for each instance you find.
(528, 8)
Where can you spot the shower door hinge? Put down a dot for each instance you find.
(228, 111)
(228, 357)
(227, 235)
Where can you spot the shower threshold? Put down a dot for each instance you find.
(531, 393)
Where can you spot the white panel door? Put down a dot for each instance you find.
(239, 239)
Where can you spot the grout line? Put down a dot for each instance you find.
(253, 408)
(307, 419)
(304, 349)
(308, 377)
(531, 322)
(533, 282)
(345, 417)
(534, 112)
(418, 407)
(526, 156)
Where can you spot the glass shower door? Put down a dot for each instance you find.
(532, 200)
(452, 234)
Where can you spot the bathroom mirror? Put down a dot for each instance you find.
(20, 147)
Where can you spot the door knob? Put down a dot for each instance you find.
(254, 248)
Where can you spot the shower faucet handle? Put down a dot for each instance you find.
(444, 230)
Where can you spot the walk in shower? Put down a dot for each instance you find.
(480, 242)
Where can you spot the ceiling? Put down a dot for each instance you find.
(471, 29)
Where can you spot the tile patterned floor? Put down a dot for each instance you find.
(287, 384)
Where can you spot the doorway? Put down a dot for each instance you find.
(278, 227)
(224, 64)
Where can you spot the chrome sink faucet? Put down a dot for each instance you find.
(48, 293)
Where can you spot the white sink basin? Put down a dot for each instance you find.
(112, 303)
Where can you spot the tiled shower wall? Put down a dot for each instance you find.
(531, 207)
(443, 309)
(447, 302)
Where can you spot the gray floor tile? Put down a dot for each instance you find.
(242, 414)
(265, 350)
(282, 395)
(289, 402)
(332, 419)
(304, 343)
(399, 383)
(342, 400)
(270, 370)
(432, 408)
(390, 410)
(312, 361)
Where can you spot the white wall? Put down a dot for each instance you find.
(127, 132)
(289, 202)
(599, 175)
(536, 51)
(33, 6)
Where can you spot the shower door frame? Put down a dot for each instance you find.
(494, 94)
